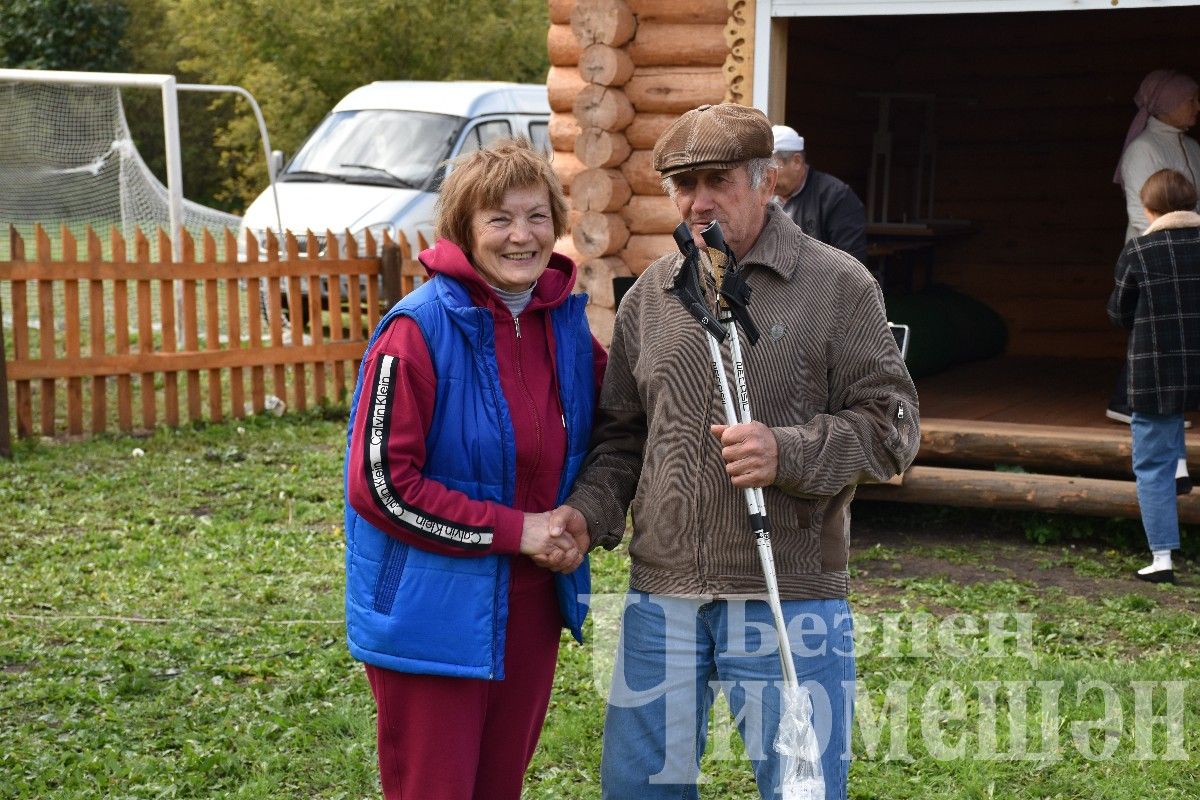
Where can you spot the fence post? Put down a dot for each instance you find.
(389, 268)
(5, 424)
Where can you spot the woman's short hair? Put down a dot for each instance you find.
(1166, 191)
(481, 178)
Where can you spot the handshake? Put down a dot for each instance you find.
(557, 540)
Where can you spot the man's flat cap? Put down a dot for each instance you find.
(713, 137)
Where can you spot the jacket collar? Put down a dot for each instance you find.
(1172, 220)
(1156, 125)
(778, 247)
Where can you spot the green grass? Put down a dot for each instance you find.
(236, 684)
(171, 627)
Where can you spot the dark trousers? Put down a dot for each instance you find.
(1120, 395)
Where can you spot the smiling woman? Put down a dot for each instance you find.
(513, 242)
(470, 420)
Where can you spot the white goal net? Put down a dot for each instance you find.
(67, 158)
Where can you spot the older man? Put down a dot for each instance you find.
(824, 207)
(834, 406)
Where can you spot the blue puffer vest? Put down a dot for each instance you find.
(411, 610)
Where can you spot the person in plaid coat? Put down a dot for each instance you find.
(1157, 296)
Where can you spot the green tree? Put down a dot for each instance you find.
(298, 64)
(63, 34)
(296, 61)
(154, 48)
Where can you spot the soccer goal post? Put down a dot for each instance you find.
(74, 140)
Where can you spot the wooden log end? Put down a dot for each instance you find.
(609, 22)
(600, 190)
(599, 149)
(597, 235)
(601, 320)
(654, 214)
(595, 277)
(562, 46)
(604, 65)
(567, 166)
(563, 85)
(602, 107)
(642, 250)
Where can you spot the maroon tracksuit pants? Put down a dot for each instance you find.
(466, 739)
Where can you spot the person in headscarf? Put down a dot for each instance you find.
(1167, 106)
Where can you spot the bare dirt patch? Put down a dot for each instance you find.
(911, 547)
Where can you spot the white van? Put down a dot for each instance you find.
(374, 162)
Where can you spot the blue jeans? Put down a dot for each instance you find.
(676, 653)
(1157, 448)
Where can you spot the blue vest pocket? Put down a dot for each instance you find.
(395, 556)
(448, 611)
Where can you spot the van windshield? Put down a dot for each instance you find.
(394, 148)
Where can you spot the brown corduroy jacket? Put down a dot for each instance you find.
(827, 378)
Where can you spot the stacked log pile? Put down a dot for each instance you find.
(621, 71)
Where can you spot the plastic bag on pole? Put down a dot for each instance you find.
(800, 752)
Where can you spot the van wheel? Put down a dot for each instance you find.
(305, 314)
(289, 317)
(285, 310)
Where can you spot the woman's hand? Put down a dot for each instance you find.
(546, 540)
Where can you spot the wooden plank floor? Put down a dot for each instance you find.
(1030, 390)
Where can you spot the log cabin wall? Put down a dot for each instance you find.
(621, 71)
(1032, 110)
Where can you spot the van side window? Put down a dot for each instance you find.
(484, 134)
(539, 136)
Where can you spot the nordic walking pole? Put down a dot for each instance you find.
(795, 740)
(725, 273)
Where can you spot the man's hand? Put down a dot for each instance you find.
(574, 525)
(545, 539)
(750, 452)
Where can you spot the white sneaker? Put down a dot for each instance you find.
(1122, 414)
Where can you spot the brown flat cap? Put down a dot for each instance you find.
(713, 137)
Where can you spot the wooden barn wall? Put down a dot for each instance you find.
(1032, 110)
(621, 71)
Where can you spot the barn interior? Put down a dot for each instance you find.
(994, 139)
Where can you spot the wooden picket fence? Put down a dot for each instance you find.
(122, 337)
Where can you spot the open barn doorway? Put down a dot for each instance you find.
(1002, 130)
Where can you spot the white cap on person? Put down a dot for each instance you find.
(787, 140)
